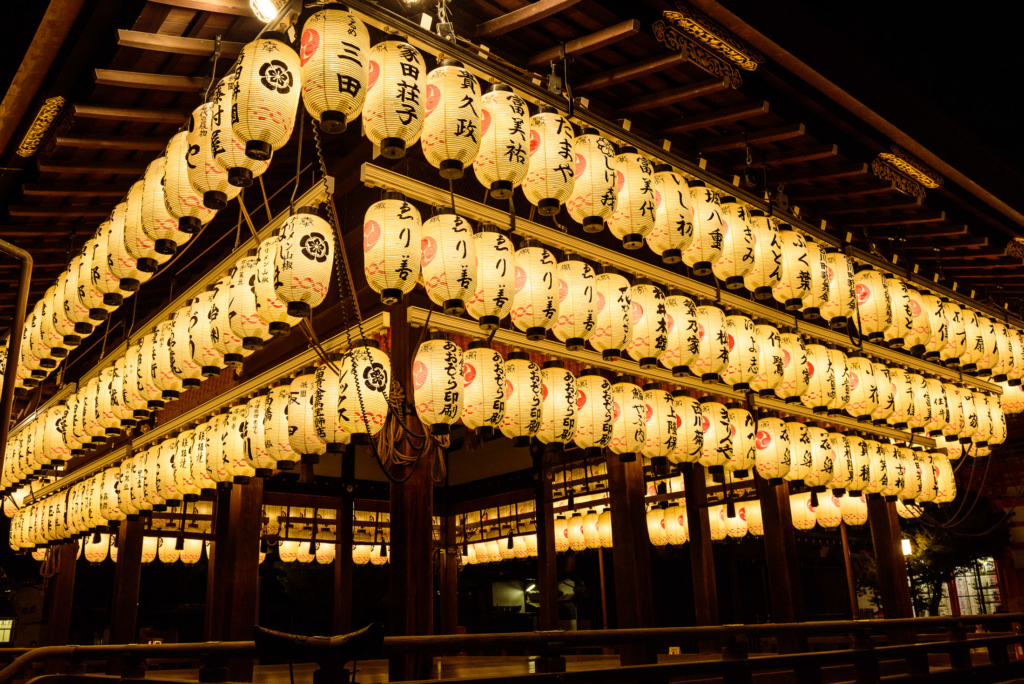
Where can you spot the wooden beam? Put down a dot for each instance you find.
(547, 560)
(126, 142)
(897, 219)
(135, 79)
(702, 559)
(589, 43)
(630, 72)
(157, 42)
(896, 203)
(60, 594)
(1005, 262)
(127, 571)
(873, 187)
(967, 243)
(921, 232)
(170, 116)
(128, 168)
(796, 156)
(74, 190)
(844, 170)
(524, 16)
(59, 210)
(668, 97)
(49, 264)
(246, 521)
(717, 118)
(239, 8)
(929, 254)
(343, 565)
(761, 137)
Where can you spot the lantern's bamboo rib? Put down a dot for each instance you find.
(376, 176)
(462, 326)
(376, 323)
(314, 195)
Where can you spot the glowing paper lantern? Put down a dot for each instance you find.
(945, 481)
(207, 179)
(902, 393)
(860, 464)
(633, 218)
(123, 265)
(258, 462)
(325, 549)
(76, 312)
(269, 306)
(821, 387)
(713, 343)
(649, 325)
(102, 289)
(364, 385)
(828, 514)
(939, 410)
(766, 267)
(955, 422)
(772, 449)
(938, 316)
(817, 296)
(802, 511)
(842, 463)
(673, 215)
(594, 412)
(561, 534)
(265, 94)
(149, 549)
(277, 428)
(203, 350)
(558, 405)
(452, 128)
(743, 430)
(990, 342)
(892, 474)
(576, 303)
(675, 525)
(886, 395)
(304, 261)
(614, 328)
(438, 381)
(841, 371)
(743, 363)
(448, 260)
(795, 371)
(594, 191)
(854, 509)
(656, 526)
(737, 258)
(661, 423)
(495, 277)
(902, 313)
(972, 421)
(717, 447)
(1012, 398)
(863, 389)
(243, 315)
(794, 271)
(391, 247)
(483, 405)
(682, 332)
(179, 344)
(974, 349)
(956, 344)
(334, 67)
(921, 329)
(182, 202)
(550, 175)
(629, 424)
(187, 486)
(228, 150)
(535, 304)
(716, 521)
(523, 397)
(393, 110)
(822, 460)
(706, 246)
(504, 155)
(842, 290)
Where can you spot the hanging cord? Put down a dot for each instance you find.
(451, 193)
(298, 164)
(266, 202)
(565, 83)
(213, 70)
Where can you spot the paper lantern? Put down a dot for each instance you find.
(265, 94)
(594, 412)
(742, 429)
(364, 385)
(175, 370)
(920, 329)
(892, 475)
(228, 150)
(656, 526)
(614, 328)
(448, 259)
(772, 449)
(207, 178)
(661, 424)
(452, 127)
(854, 509)
(708, 238)
(673, 215)
(256, 441)
(76, 312)
(683, 341)
(802, 511)
(633, 218)
(106, 398)
(795, 371)
(675, 525)
(535, 303)
(288, 551)
(713, 344)
(577, 303)
(717, 447)
(593, 197)
(902, 313)
(149, 549)
(183, 203)
(886, 398)
(997, 416)
(842, 290)
(649, 337)
(794, 270)
(828, 514)
(860, 463)
(326, 547)
(395, 96)
(629, 419)
(335, 67)
(226, 343)
(220, 445)
(945, 480)
(495, 277)
(192, 551)
(821, 379)
(558, 405)
(716, 522)
(863, 399)
(743, 361)
(735, 526)
(561, 534)
(123, 265)
(140, 391)
(119, 387)
(737, 258)
(523, 397)
(504, 155)
(168, 553)
(438, 383)
(956, 344)
(817, 296)
(550, 175)
(201, 468)
(269, 306)
(972, 421)
(391, 247)
(912, 481)
(929, 483)
(89, 404)
(304, 261)
(202, 351)
(243, 315)
(165, 481)
(361, 554)
(822, 460)
(483, 404)
(1012, 398)
(101, 288)
(939, 410)
(277, 428)
(990, 335)
(955, 422)
(1014, 371)
(766, 263)
(842, 463)
(841, 371)
(938, 316)
(52, 329)
(902, 393)
(187, 486)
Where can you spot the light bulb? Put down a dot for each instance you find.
(265, 10)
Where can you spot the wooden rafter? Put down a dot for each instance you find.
(873, 187)
(630, 72)
(74, 190)
(1005, 262)
(717, 118)
(841, 208)
(58, 210)
(524, 16)
(842, 170)
(134, 79)
(897, 219)
(796, 156)
(236, 7)
(179, 45)
(171, 116)
(882, 233)
(963, 253)
(761, 137)
(675, 95)
(34, 230)
(964, 242)
(133, 168)
(589, 43)
(126, 142)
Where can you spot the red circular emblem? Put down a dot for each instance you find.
(581, 164)
(508, 390)
(863, 293)
(763, 440)
(433, 98)
(599, 307)
(700, 331)
(371, 233)
(650, 412)
(638, 313)
(543, 392)
(563, 289)
(310, 42)
(470, 373)
(785, 358)
(428, 250)
(915, 308)
(810, 370)
(657, 199)
(485, 121)
(419, 373)
(534, 141)
(620, 180)
(581, 399)
(732, 342)
(854, 381)
(520, 278)
(679, 421)
(670, 323)
(616, 411)
(372, 73)
(704, 423)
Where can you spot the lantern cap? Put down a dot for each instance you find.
(488, 228)
(275, 233)
(546, 109)
(451, 63)
(697, 184)
(252, 252)
(727, 199)
(318, 210)
(437, 335)
(366, 342)
(590, 372)
(274, 35)
(783, 226)
(628, 149)
(590, 130)
(707, 399)
(659, 168)
(479, 344)
(308, 370)
(623, 379)
(518, 356)
(554, 363)
(651, 386)
(643, 280)
(756, 212)
(499, 87)
(394, 195)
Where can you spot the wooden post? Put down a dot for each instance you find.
(219, 569)
(792, 560)
(705, 589)
(954, 598)
(604, 593)
(449, 580)
(780, 557)
(851, 584)
(547, 562)
(246, 521)
(343, 565)
(412, 543)
(889, 562)
(63, 589)
(127, 570)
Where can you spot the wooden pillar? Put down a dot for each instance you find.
(219, 570)
(245, 523)
(792, 560)
(784, 587)
(127, 570)
(547, 561)
(631, 557)
(61, 594)
(449, 580)
(954, 598)
(851, 582)
(343, 565)
(705, 589)
(889, 562)
(411, 576)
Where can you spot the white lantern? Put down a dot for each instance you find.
(393, 110)
(939, 411)
(743, 365)
(737, 257)
(902, 314)
(203, 350)
(683, 340)
(265, 95)
(364, 386)
(828, 514)
(629, 424)
(225, 341)
(228, 150)
(938, 314)
(945, 480)
(822, 463)
(76, 312)
(633, 218)
(304, 261)
(956, 344)
(334, 67)
(842, 290)
(57, 330)
(821, 387)
(706, 246)
(661, 424)
(766, 268)
(495, 277)
(550, 175)
(123, 265)
(716, 522)
(561, 534)
(802, 511)
(558, 406)
(535, 303)
(841, 372)
(817, 297)
(886, 395)
(842, 463)
(594, 191)
(577, 303)
(192, 551)
(863, 399)
(182, 202)
(892, 475)
(1014, 373)
(795, 371)
(594, 412)
(207, 179)
(276, 428)
(772, 449)
(95, 280)
(252, 428)
(1002, 367)
(921, 328)
(713, 344)
(452, 128)
(149, 549)
(650, 336)
(614, 328)
(955, 422)
(438, 383)
(187, 486)
(673, 215)
(448, 259)
(656, 526)
(902, 394)
(325, 547)
(743, 430)
(269, 306)
(202, 468)
(483, 405)
(716, 449)
(1012, 398)
(243, 315)
(168, 552)
(176, 339)
(391, 247)
(504, 155)
(990, 339)
(854, 509)
(795, 271)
